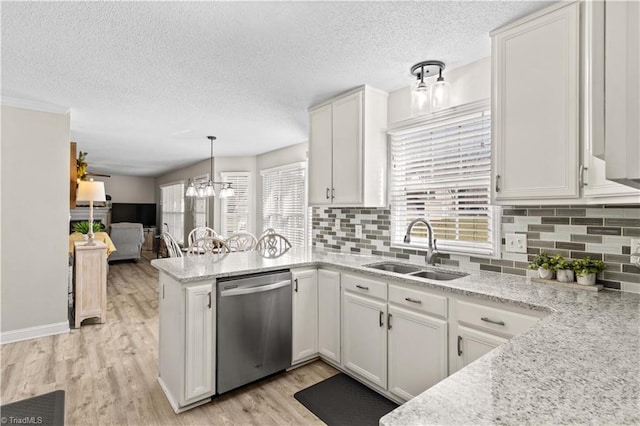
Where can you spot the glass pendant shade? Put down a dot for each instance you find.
(200, 192)
(209, 191)
(419, 99)
(230, 191)
(191, 190)
(439, 95)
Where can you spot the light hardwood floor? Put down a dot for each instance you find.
(109, 371)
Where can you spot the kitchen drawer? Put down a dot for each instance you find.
(364, 286)
(510, 323)
(419, 300)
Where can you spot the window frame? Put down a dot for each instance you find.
(494, 212)
(193, 200)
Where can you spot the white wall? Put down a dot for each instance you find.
(35, 222)
(129, 189)
(279, 157)
(469, 83)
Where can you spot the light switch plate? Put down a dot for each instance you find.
(516, 243)
(635, 251)
(358, 231)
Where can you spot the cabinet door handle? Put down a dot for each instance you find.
(581, 176)
(361, 287)
(381, 318)
(459, 345)
(209, 304)
(408, 299)
(333, 193)
(489, 320)
(497, 183)
(389, 321)
(163, 291)
(327, 193)
(296, 286)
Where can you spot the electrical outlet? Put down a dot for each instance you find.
(635, 251)
(337, 223)
(516, 243)
(358, 231)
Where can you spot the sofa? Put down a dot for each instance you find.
(128, 239)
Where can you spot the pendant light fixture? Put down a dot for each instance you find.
(204, 190)
(422, 99)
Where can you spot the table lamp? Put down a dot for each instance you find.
(90, 191)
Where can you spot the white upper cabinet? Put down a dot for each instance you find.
(622, 94)
(535, 83)
(347, 150)
(595, 185)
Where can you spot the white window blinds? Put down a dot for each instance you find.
(284, 201)
(441, 171)
(172, 208)
(235, 210)
(200, 205)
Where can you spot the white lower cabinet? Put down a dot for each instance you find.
(305, 314)
(364, 337)
(472, 344)
(417, 352)
(200, 338)
(329, 315)
(478, 328)
(187, 342)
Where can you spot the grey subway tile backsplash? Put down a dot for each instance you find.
(600, 232)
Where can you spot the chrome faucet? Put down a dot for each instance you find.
(432, 250)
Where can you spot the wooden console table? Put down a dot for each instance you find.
(90, 279)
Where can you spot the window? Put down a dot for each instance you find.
(200, 205)
(284, 202)
(235, 210)
(172, 207)
(441, 170)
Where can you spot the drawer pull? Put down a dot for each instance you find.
(361, 287)
(408, 299)
(485, 319)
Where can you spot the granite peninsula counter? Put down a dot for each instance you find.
(580, 364)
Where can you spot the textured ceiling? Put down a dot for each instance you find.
(147, 81)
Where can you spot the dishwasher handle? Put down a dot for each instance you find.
(256, 289)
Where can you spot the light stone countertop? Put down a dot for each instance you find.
(580, 364)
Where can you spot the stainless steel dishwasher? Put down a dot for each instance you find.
(253, 328)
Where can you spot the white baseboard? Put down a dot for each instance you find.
(34, 332)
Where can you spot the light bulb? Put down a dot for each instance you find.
(200, 191)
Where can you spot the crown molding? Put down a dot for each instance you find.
(34, 105)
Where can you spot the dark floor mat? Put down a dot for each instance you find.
(47, 409)
(341, 400)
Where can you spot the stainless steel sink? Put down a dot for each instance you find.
(416, 271)
(439, 275)
(398, 268)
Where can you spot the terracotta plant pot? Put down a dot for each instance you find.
(587, 279)
(545, 274)
(565, 275)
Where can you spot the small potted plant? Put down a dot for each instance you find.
(564, 270)
(586, 270)
(544, 264)
(83, 227)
